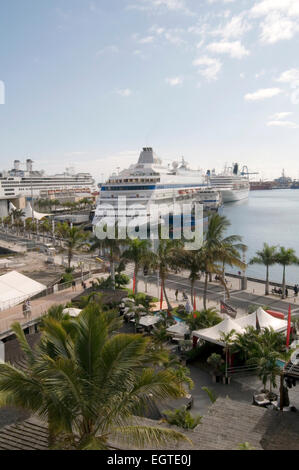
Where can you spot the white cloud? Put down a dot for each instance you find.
(235, 28)
(286, 124)
(279, 116)
(124, 92)
(280, 19)
(235, 49)
(221, 1)
(174, 81)
(290, 76)
(288, 7)
(277, 27)
(147, 40)
(160, 5)
(262, 94)
(209, 67)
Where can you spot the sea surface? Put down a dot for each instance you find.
(267, 216)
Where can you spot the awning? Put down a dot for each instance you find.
(149, 320)
(15, 288)
(179, 329)
(213, 334)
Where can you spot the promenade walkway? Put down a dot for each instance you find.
(39, 307)
(239, 299)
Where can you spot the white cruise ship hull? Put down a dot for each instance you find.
(233, 195)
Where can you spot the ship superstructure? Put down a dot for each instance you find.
(232, 185)
(150, 182)
(32, 183)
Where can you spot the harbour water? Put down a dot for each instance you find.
(271, 217)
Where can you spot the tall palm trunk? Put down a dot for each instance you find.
(136, 269)
(205, 291)
(112, 269)
(267, 280)
(165, 293)
(192, 291)
(70, 256)
(284, 282)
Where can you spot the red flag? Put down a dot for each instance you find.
(194, 304)
(134, 283)
(289, 327)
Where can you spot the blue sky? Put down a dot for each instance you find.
(90, 82)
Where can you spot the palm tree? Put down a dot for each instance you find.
(218, 248)
(45, 227)
(267, 257)
(166, 259)
(286, 257)
(193, 262)
(203, 319)
(74, 238)
(114, 251)
(265, 358)
(138, 252)
(89, 383)
(228, 340)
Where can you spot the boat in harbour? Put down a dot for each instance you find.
(149, 182)
(232, 183)
(30, 183)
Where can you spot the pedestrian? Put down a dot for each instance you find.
(176, 295)
(74, 285)
(28, 309)
(24, 309)
(185, 297)
(286, 292)
(296, 290)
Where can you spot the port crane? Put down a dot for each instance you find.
(245, 171)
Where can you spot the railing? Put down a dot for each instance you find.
(241, 370)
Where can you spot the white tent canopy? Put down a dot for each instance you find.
(213, 334)
(28, 212)
(248, 320)
(15, 288)
(179, 329)
(260, 317)
(266, 320)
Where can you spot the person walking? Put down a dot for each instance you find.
(24, 309)
(176, 295)
(28, 308)
(296, 290)
(74, 285)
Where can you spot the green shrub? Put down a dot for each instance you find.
(182, 418)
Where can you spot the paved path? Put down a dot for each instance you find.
(239, 299)
(39, 307)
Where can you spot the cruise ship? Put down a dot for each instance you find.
(231, 184)
(149, 183)
(30, 183)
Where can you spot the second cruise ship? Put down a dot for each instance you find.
(232, 185)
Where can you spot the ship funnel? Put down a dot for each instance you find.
(236, 169)
(29, 163)
(147, 156)
(17, 165)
